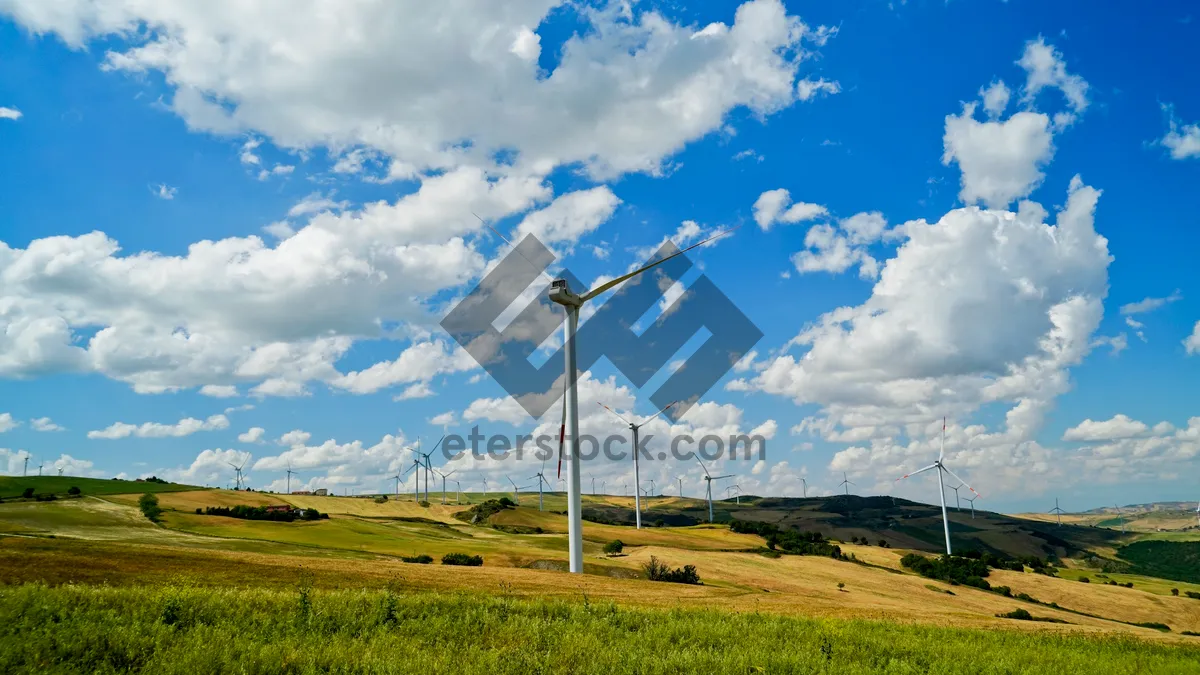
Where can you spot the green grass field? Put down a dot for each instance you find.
(179, 629)
(13, 486)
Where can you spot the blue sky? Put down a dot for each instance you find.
(163, 128)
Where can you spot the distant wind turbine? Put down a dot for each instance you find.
(289, 478)
(516, 491)
(708, 479)
(1057, 511)
(805, 487)
(847, 482)
(444, 477)
(941, 483)
(737, 493)
(637, 477)
(1121, 517)
(957, 503)
(970, 500)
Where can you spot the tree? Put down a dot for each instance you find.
(614, 547)
(27, 493)
(841, 585)
(73, 490)
(148, 503)
(1175, 591)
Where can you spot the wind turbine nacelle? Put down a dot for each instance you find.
(561, 294)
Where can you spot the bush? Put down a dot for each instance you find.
(1175, 592)
(660, 571)
(614, 547)
(768, 553)
(464, 559)
(1155, 625)
(261, 513)
(1019, 614)
(423, 503)
(73, 491)
(883, 544)
(148, 503)
(1022, 615)
(841, 585)
(1003, 590)
(506, 502)
(27, 493)
(381, 499)
(199, 511)
(1190, 632)
(955, 569)
(424, 559)
(1192, 594)
(1084, 580)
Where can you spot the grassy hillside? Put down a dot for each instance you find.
(13, 486)
(177, 629)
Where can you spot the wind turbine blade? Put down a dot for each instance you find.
(621, 279)
(614, 412)
(655, 415)
(510, 244)
(562, 427)
(435, 445)
(706, 473)
(908, 475)
(964, 483)
(728, 475)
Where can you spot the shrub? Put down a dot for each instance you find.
(1084, 580)
(1175, 591)
(769, 553)
(506, 502)
(1019, 614)
(614, 547)
(1190, 632)
(1192, 594)
(148, 503)
(73, 491)
(464, 559)
(841, 585)
(199, 511)
(1155, 625)
(883, 543)
(27, 493)
(1003, 590)
(955, 569)
(424, 559)
(423, 503)
(660, 571)
(381, 499)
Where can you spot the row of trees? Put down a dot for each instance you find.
(263, 513)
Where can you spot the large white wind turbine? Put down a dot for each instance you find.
(941, 483)
(560, 293)
(708, 479)
(637, 476)
(444, 477)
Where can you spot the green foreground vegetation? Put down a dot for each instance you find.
(184, 629)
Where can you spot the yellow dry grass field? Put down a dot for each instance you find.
(198, 499)
(394, 507)
(97, 540)
(696, 537)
